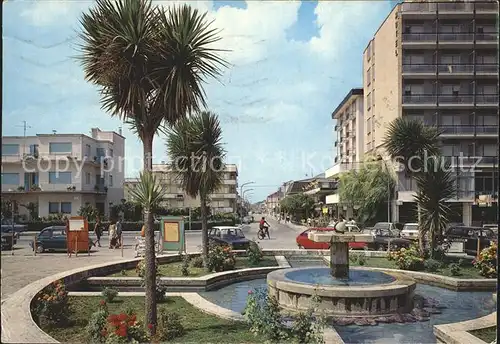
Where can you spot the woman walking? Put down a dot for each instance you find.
(98, 231)
(113, 237)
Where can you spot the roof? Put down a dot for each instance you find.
(352, 92)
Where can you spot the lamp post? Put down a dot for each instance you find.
(241, 197)
(243, 200)
(388, 190)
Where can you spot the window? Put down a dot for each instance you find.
(110, 152)
(452, 28)
(66, 207)
(88, 150)
(407, 90)
(100, 152)
(10, 149)
(373, 98)
(368, 125)
(480, 29)
(414, 59)
(415, 117)
(53, 207)
(450, 59)
(87, 178)
(10, 178)
(486, 59)
(489, 150)
(33, 149)
(450, 89)
(486, 120)
(373, 73)
(486, 89)
(99, 180)
(60, 178)
(110, 180)
(60, 147)
(369, 100)
(368, 76)
(451, 120)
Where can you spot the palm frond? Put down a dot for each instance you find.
(410, 141)
(148, 192)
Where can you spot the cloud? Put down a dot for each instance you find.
(276, 98)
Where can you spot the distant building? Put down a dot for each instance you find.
(223, 201)
(62, 172)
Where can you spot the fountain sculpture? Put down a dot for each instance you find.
(342, 292)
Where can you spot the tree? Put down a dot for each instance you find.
(149, 63)
(195, 148)
(88, 211)
(416, 146)
(32, 208)
(435, 186)
(367, 188)
(298, 205)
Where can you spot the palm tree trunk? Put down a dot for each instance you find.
(421, 233)
(149, 258)
(204, 228)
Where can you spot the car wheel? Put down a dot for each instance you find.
(39, 249)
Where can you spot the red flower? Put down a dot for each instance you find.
(150, 326)
(122, 317)
(102, 302)
(133, 318)
(113, 318)
(104, 333)
(250, 292)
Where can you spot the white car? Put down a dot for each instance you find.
(410, 231)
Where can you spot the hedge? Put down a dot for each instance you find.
(128, 226)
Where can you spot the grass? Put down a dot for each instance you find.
(487, 334)
(467, 270)
(174, 269)
(200, 327)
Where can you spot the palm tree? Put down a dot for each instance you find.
(416, 147)
(195, 149)
(435, 186)
(410, 142)
(149, 64)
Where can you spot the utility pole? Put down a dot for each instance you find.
(25, 126)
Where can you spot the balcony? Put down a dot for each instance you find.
(223, 196)
(429, 69)
(453, 130)
(487, 160)
(419, 9)
(487, 70)
(487, 99)
(456, 99)
(460, 39)
(487, 130)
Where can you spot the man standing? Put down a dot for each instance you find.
(119, 231)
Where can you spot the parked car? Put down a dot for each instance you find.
(492, 226)
(394, 227)
(410, 231)
(53, 238)
(230, 236)
(383, 237)
(485, 236)
(8, 225)
(304, 242)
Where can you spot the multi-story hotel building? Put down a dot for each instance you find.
(438, 62)
(223, 201)
(61, 172)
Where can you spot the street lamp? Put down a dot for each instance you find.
(243, 200)
(241, 196)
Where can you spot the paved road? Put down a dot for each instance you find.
(23, 267)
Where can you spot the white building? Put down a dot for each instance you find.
(223, 201)
(62, 172)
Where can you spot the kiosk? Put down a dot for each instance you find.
(78, 235)
(172, 233)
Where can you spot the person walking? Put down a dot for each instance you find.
(119, 232)
(341, 225)
(112, 235)
(98, 231)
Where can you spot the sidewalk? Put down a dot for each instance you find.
(275, 223)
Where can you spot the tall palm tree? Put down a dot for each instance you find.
(195, 149)
(150, 64)
(416, 147)
(435, 185)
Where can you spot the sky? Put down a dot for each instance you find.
(291, 63)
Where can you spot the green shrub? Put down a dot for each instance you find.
(185, 265)
(51, 306)
(169, 326)
(140, 269)
(160, 291)
(455, 269)
(487, 261)
(361, 259)
(357, 258)
(254, 253)
(197, 262)
(96, 326)
(432, 265)
(109, 294)
(407, 258)
(220, 258)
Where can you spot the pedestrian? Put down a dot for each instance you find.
(113, 240)
(340, 226)
(98, 231)
(119, 232)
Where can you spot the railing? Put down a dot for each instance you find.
(419, 68)
(487, 98)
(465, 193)
(487, 68)
(487, 129)
(486, 37)
(456, 99)
(448, 7)
(488, 160)
(455, 68)
(456, 37)
(486, 7)
(457, 129)
(420, 99)
(420, 37)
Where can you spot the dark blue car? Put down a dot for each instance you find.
(230, 236)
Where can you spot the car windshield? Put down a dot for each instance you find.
(235, 232)
(412, 227)
(382, 225)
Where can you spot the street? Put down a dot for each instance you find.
(24, 267)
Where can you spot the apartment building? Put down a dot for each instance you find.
(62, 172)
(350, 127)
(438, 62)
(223, 201)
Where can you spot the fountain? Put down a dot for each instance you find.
(342, 292)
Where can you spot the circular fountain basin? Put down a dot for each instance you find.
(365, 293)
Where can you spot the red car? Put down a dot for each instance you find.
(304, 242)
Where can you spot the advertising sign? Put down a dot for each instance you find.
(172, 233)
(78, 235)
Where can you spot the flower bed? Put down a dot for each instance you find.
(198, 327)
(175, 269)
(488, 334)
